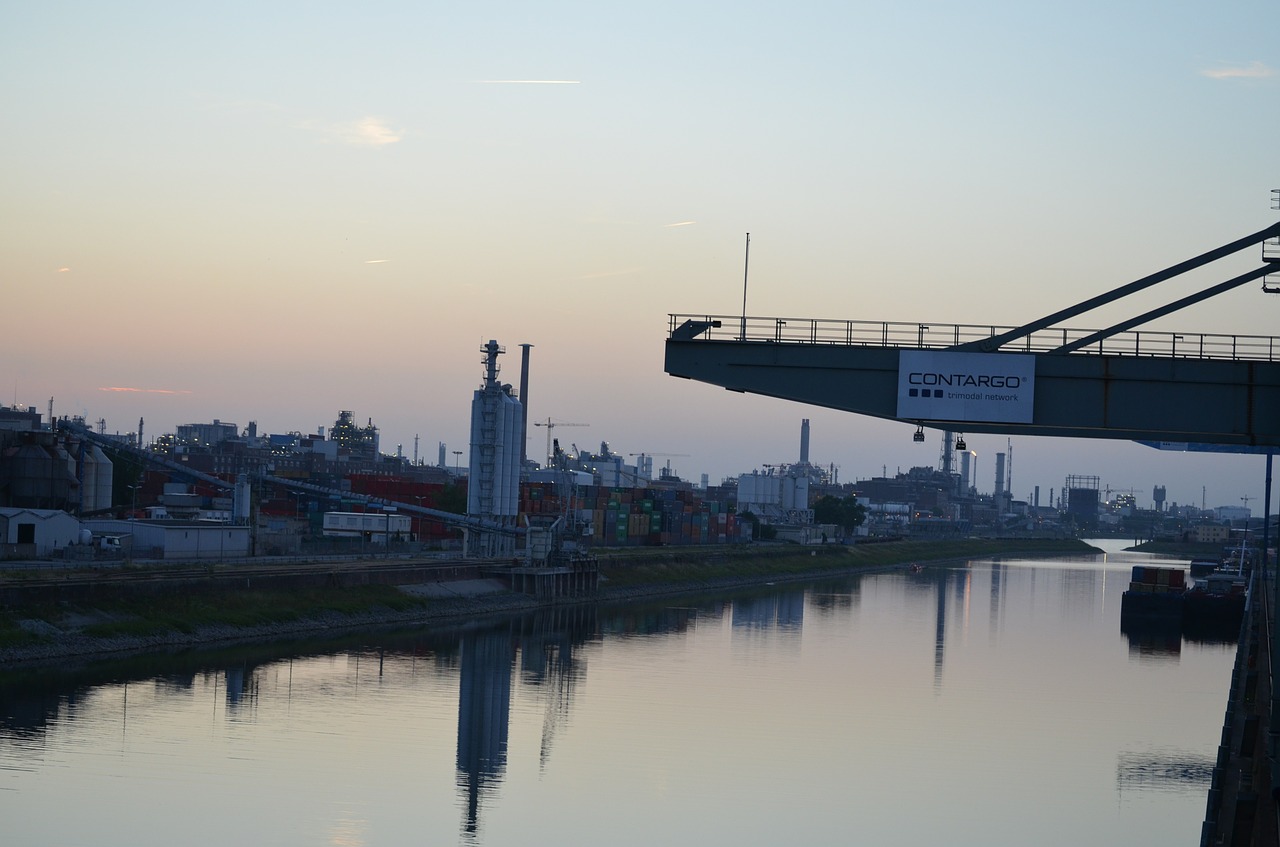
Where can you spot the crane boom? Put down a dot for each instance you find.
(550, 425)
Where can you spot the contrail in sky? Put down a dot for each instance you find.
(144, 390)
(529, 81)
(1256, 70)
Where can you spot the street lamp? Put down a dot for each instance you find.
(418, 538)
(387, 512)
(134, 492)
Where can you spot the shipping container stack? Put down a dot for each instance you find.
(650, 517)
(637, 516)
(1154, 592)
(1154, 580)
(547, 498)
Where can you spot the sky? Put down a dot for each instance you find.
(274, 212)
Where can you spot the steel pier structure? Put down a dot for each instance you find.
(1037, 379)
(1045, 379)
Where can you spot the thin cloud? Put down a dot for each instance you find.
(1253, 70)
(130, 390)
(366, 132)
(682, 223)
(375, 261)
(529, 81)
(605, 274)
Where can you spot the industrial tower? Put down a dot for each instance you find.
(493, 493)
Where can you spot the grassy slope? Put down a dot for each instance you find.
(631, 569)
(188, 612)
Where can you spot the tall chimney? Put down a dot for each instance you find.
(524, 403)
(804, 441)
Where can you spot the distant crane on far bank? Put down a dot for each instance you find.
(550, 425)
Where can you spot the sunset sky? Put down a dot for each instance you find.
(274, 212)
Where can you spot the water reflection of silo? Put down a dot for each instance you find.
(777, 611)
(233, 684)
(484, 711)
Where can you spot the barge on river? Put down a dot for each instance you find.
(1159, 593)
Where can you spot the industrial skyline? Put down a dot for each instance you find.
(987, 474)
(267, 214)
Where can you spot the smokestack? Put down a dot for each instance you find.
(804, 441)
(999, 475)
(524, 403)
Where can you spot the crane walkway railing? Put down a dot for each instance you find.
(938, 336)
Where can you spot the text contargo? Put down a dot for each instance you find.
(980, 387)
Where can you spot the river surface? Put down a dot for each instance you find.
(990, 702)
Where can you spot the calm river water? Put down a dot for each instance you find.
(992, 703)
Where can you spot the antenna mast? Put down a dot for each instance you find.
(746, 263)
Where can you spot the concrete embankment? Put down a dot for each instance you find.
(40, 626)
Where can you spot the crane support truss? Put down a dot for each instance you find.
(1036, 379)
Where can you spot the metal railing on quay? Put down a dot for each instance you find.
(937, 336)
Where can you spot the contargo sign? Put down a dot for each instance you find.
(980, 387)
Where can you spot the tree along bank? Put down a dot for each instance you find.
(59, 633)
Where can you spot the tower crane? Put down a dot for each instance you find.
(550, 425)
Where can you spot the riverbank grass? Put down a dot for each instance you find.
(197, 613)
(628, 569)
(13, 635)
(189, 612)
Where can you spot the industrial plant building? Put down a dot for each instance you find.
(186, 495)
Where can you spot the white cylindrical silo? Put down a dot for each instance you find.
(795, 492)
(507, 481)
(240, 502)
(88, 479)
(106, 480)
(475, 458)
